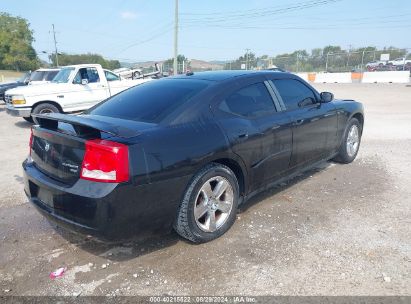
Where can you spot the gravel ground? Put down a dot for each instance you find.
(335, 230)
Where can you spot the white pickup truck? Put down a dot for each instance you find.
(400, 61)
(75, 88)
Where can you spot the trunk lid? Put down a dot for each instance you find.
(58, 143)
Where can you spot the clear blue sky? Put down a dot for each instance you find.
(138, 30)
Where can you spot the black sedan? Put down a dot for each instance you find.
(22, 81)
(184, 152)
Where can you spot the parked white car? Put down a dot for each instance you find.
(376, 63)
(400, 61)
(75, 88)
(127, 73)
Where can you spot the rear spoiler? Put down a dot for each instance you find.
(83, 123)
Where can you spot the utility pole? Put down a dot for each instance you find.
(175, 66)
(246, 56)
(326, 62)
(55, 46)
(362, 61)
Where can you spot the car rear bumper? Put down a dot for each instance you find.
(19, 112)
(105, 210)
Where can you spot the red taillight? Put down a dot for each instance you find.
(105, 161)
(31, 141)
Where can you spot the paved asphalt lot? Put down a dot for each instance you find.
(336, 230)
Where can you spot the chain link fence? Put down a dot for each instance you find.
(344, 61)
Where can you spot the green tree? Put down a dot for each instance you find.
(67, 59)
(248, 58)
(16, 38)
(168, 64)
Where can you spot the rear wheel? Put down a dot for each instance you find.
(209, 206)
(351, 142)
(44, 108)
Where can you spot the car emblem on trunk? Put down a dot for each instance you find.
(47, 147)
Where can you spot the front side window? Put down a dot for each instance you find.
(294, 93)
(90, 74)
(251, 101)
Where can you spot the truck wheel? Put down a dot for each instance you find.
(44, 108)
(28, 119)
(209, 205)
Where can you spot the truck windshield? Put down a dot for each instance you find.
(37, 76)
(63, 76)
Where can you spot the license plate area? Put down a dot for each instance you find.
(45, 197)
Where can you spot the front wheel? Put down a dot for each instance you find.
(209, 205)
(351, 142)
(44, 108)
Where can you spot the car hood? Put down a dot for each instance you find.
(41, 89)
(8, 84)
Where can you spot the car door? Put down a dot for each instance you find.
(86, 94)
(256, 131)
(314, 123)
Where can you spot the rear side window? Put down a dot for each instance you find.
(251, 101)
(294, 93)
(150, 102)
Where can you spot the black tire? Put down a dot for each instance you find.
(343, 155)
(185, 224)
(44, 108)
(28, 119)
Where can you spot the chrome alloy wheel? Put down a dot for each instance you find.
(353, 140)
(213, 204)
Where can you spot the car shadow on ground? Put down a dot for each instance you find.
(23, 124)
(130, 249)
(283, 185)
(121, 250)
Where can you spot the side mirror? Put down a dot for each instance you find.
(84, 81)
(326, 97)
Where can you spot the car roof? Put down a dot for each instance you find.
(83, 65)
(225, 75)
(47, 70)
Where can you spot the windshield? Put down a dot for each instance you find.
(37, 76)
(152, 101)
(63, 76)
(50, 75)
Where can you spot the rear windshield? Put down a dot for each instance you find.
(150, 102)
